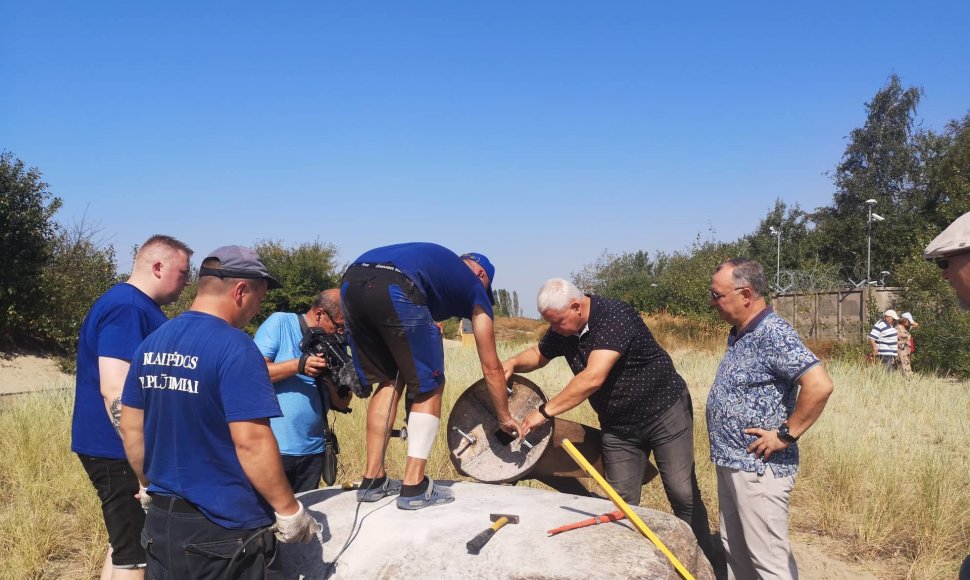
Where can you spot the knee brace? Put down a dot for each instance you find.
(422, 429)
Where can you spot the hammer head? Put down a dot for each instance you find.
(496, 517)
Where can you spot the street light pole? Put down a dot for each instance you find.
(878, 218)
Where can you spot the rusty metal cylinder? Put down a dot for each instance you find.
(480, 449)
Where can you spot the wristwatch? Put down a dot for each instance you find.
(785, 435)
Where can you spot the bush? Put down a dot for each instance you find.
(26, 233)
(304, 270)
(79, 271)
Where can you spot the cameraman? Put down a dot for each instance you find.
(302, 428)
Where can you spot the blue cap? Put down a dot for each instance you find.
(482, 261)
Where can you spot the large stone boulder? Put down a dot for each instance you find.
(430, 543)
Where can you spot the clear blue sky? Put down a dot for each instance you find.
(538, 133)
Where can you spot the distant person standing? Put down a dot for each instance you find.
(768, 390)
(884, 340)
(904, 328)
(114, 327)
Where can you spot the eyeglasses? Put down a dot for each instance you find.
(943, 263)
(339, 327)
(717, 297)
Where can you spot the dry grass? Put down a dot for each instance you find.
(885, 470)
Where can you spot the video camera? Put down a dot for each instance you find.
(340, 368)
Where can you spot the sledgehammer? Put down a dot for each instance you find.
(476, 544)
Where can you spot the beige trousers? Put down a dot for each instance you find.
(754, 524)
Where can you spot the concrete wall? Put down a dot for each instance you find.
(837, 314)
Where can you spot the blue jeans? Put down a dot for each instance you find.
(671, 440)
(181, 543)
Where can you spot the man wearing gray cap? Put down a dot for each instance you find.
(195, 423)
(951, 252)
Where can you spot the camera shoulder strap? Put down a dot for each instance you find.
(305, 328)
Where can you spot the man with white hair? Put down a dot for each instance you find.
(642, 402)
(951, 252)
(885, 340)
(114, 327)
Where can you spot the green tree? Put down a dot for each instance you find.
(79, 270)
(26, 232)
(881, 162)
(304, 270)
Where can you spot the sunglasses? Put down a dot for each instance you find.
(717, 297)
(942, 263)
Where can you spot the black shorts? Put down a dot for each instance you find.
(116, 484)
(391, 330)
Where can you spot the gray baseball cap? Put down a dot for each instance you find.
(955, 239)
(238, 262)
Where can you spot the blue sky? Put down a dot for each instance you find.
(538, 133)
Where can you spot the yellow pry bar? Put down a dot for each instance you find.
(630, 514)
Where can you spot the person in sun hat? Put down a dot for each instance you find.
(884, 340)
(392, 296)
(195, 418)
(904, 327)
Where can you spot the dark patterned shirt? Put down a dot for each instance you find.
(643, 383)
(756, 386)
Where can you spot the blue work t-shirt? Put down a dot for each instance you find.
(192, 377)
(451, 288)
(114, 327)
(300, 431)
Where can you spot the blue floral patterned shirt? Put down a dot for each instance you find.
(756, 386)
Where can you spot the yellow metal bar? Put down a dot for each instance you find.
(630, 514)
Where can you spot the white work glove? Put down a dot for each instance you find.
(143, 497)
(299, 527)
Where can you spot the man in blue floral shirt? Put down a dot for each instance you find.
(768, 391)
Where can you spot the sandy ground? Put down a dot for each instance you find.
(31, 373)
(817, 559)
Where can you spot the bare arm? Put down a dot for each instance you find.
(259, 456)
(492, 368)
(815, 387)
(132, 427)
(875, 347)
(526, 361)
(113, 372)
(288, 368)
(579, 389)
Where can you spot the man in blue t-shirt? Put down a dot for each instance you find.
(391, 298)
(302, 429)
(195, 424)
(117, 322)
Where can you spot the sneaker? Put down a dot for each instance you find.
(434, 495)
(390, 487)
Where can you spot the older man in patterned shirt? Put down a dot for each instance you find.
(769, 389)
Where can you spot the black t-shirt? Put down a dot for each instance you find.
(643, 383)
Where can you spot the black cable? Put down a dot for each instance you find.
(354, 530)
